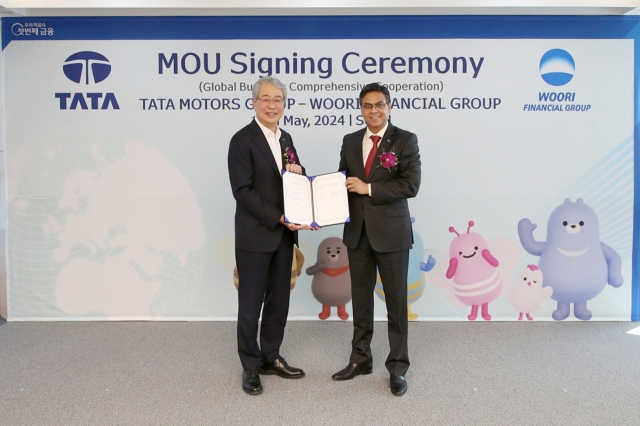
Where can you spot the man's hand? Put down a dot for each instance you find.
(293, 226)
(294, 168)
(354, 184)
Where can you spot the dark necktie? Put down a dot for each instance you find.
(372, 155)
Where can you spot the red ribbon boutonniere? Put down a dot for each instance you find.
(388, 160)
(289, 156)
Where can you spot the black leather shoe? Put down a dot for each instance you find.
(279, 367)
(398, 385)
(251, 382)
(351, 371)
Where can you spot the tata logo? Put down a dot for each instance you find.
(557, 67)
(87, 68)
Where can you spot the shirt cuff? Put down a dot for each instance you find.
(369, 185)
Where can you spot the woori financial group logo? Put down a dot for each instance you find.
(557, 67)
(86, 67)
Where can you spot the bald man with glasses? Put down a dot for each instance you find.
(383, 170)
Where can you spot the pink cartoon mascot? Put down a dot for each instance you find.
(475, 273)
(527, 294)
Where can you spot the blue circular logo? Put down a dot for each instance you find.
(86, 67)
(17, 29)
(557, 67)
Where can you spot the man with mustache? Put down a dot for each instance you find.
(383, 170)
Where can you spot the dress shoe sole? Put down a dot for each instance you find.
(353, 376)
(284, 376)
(252, 392)
(399, 393)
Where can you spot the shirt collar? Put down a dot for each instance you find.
(268, 131)
(381, 133)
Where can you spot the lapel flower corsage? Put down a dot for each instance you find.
(289, 156)
(388, 160)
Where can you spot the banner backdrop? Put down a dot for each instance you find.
(117, 130)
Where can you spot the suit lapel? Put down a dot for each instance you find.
(284, 144)
(357, 142)
(262, 144)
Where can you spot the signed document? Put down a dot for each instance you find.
(315, 200)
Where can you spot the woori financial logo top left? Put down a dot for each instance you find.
(87, 68)
(31, 29)
(17, 29)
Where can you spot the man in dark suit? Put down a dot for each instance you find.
(383, 170)
(264, 241)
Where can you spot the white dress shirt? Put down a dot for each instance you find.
(274, 142)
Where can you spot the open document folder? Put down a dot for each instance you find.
(315, 200)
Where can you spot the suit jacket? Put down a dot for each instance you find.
(386, 213)
(256, 183)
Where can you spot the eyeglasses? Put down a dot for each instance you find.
(379, 105)
(267, 101)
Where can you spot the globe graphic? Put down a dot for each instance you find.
(101, 225)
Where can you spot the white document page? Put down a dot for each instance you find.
(297, 199)
(330, 200)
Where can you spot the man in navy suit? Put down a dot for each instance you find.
(383, 170)
(264, 241)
